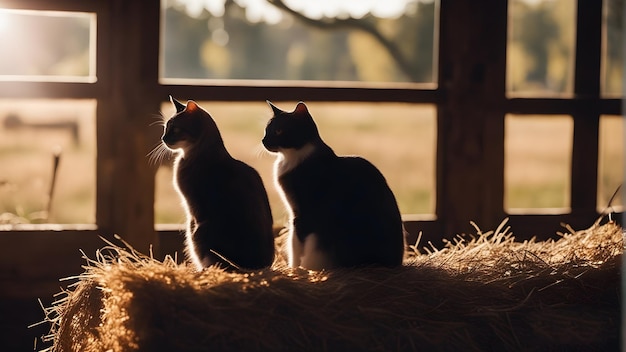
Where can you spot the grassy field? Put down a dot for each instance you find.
(26, 162)
(398, 138)
(611, 162)
(537, 161)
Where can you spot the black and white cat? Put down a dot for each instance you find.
(229, 221)
(342, 212)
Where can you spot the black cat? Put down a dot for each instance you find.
(228, 213)
(342, 212)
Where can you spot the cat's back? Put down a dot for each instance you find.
(358, 166)
(345, 187)
(366, 225)
(225, 191)
(355, 172)
(248, 183)
(234, 214)
(366, 186)
(240, 182)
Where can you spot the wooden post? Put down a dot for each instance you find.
(128, 69)
(470, 149)
(584, 186)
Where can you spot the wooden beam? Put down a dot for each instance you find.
(562, 106)
(584, 186)
(547, 226)
(128, 63)
(470, 147)
(282, 91)
(49, 90)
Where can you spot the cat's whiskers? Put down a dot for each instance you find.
(160, 120)
(155, 154)
(260, 151)
(159, 153)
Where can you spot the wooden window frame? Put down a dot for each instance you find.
(470, 96)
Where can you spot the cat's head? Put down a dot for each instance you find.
(290, 130)
(190, 127)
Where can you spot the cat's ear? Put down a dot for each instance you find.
(192, 106)
(301, 109)
(276, 110)
(179, 106)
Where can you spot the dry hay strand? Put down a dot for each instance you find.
(482, 292)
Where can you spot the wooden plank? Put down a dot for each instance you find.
(31, 258)
(588, 49)
(125, 186)
(470, 160)
(562, 106)
(56, 5)
(49, 90)
(296, 93)
(587, 74)
(544, 226)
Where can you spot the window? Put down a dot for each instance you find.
(45, 142)
(453, 105)
(47, 45)
(564, 64)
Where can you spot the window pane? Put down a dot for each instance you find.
(390, 41)
(613, 55)
(611, 161)
(398, 138)
(537, 163)
(47, 45)
(31, 133)
(540, 50)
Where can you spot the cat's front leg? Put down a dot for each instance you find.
(305, 243)
(296, 251)
(194, 252)
(296, 247)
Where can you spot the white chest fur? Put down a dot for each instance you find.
(290, 158)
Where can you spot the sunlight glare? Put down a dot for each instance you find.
(262, 11)
(4, 20)
(195, 8)
(353, 8)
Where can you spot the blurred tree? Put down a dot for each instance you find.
(182, 41)
(404, 48)
(541, 46)
(538, 30)
(298, 47)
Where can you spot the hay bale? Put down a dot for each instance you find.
(486, 292)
